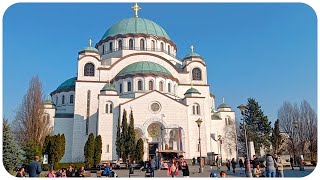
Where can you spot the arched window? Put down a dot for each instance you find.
(196, 74)
(62, 99)
(160, 86)
(139, 85)
(150, 85)
(196, 109)
(56, 100)
(131, 44)
(129, 86)
(141, 44)
(110, 47)
(120, 44)
(103, 49)
(46, 117)
(168, 49)
(88, 111)
(120, 88)
(71, 99)
(109, 106)
(228, 120)
(89, 69)
(169, 87)
(161, 46)
(153, 45)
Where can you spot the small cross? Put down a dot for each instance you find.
(136, 8)
(90, 42)
(223, 100)
(191, 48)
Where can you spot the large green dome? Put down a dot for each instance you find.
(68, 85)
(144, 67)
(135, 26)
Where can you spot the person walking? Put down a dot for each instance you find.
(35, 168)
(233, 164)
(228, 164)
(240, 165)
(270, 166)
(218, 162)
(152, 166)
(291, 162)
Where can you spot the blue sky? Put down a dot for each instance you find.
(264, 51)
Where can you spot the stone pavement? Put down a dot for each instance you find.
(194, 172)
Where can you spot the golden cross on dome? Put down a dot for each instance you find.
(90, 42)
(136, 8)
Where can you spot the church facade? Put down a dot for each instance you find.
(134, 67)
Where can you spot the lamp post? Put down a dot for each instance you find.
(199, 121)
(293, 126)
(243, 108)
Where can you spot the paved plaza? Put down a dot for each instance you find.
(194, 172)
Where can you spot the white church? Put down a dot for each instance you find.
(134, 66)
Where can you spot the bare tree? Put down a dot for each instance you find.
(29, 123)
(230, 139)
(309, 124)
(288, 116)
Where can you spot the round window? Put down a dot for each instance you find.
(155, 107)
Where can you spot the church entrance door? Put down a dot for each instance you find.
(152, 149)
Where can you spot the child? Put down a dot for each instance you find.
(223, 174)
(257, 171)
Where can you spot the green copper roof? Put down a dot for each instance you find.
(192, 90)
(108, 87)
(224, 105)
(90, 49)
(135, 26)
(67, 85)
(191, 54)
(144, 67)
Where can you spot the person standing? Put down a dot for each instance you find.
(184, 167)
(270, 166)
(279, 167)
(240, 165)
(255, 162)
(233, 164)
(173, 169)
(35, 168)
(152, 166)
(228, 164)
(291, 162)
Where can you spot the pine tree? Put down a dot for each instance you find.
(54, 147)
(139, 151)
(276, 137)
(124, 136)
(131, 137)
(119, 145)
(97, 150)
(11, 151)
(257, 125)
(89, 150)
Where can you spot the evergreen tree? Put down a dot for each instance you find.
(54, 147)
(124, 136)
(257, 125)
(139, 151)
(131, 137)
(89, 150)
(11, 151)
(97, 150)
(276, 138)
(31, 150)
(119, 145)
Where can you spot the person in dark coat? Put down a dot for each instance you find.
(184, 167)
(35, 168)
(255, 163)
(70, 172)
(291, 162)
(233, 164)
(240, 165)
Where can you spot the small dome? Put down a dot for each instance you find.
(192, 54)
(89, 48)
(224, 105)
(144, 67)
(48, 100)
(108, 87)
(68, 85)
(136, 26)
(192, 90)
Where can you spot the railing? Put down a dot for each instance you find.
(140, 49)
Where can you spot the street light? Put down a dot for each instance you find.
(243, 108)
(199, 121)
(293, 126)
